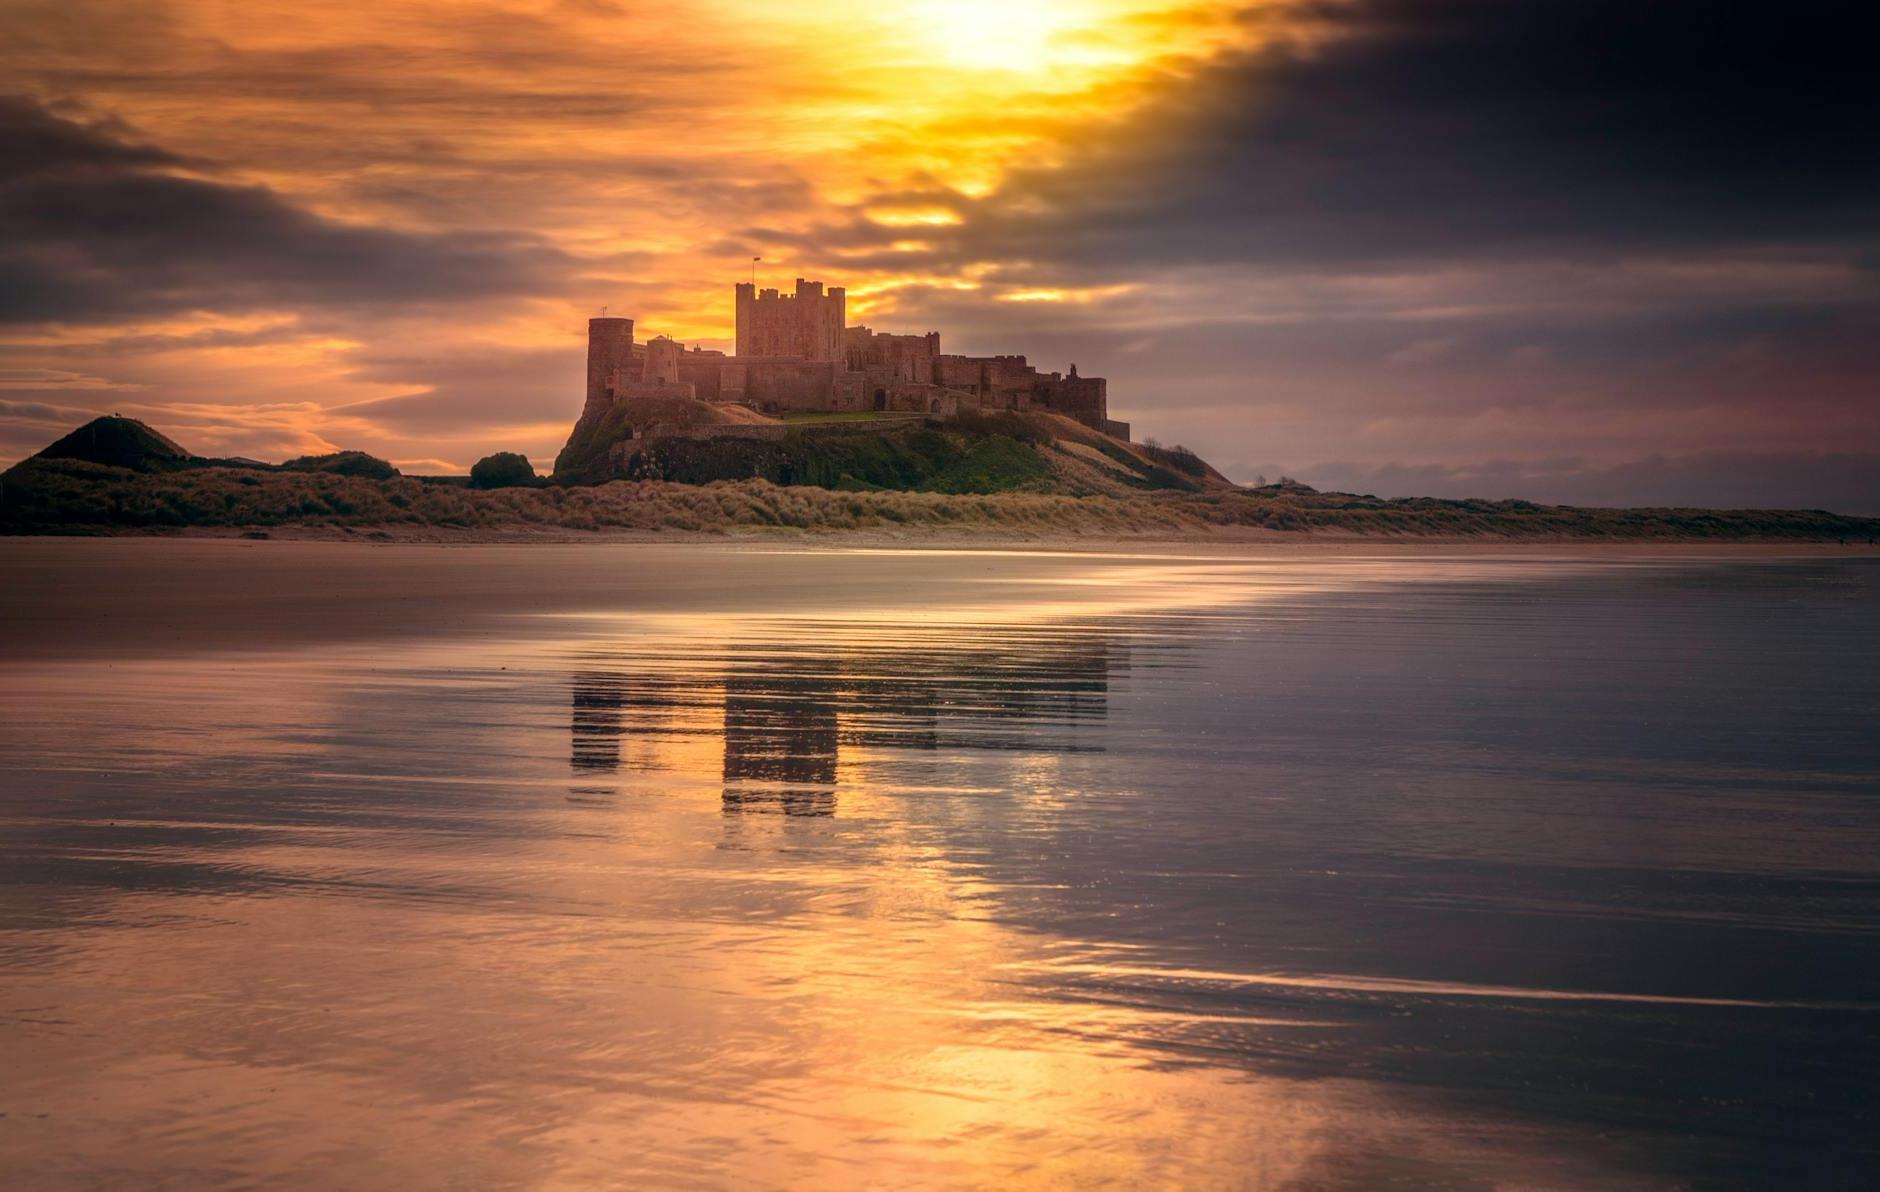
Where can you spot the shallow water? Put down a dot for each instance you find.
(676, 865)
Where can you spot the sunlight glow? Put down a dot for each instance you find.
(1088, 294)
(919, 217)
(998, 35)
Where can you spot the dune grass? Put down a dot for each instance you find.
(70, 496)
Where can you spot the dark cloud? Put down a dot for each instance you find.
(1455, 229)
(93, 226)
(1413, 130)
(34, 139)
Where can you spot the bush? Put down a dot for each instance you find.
(505, 469)
(1182, 459)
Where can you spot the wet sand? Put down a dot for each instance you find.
(88, 597)
(1334, 866)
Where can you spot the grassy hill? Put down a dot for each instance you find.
(586, 457)
(119, 442)
(974, 453)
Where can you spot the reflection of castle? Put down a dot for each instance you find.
(598, 699)
(780, 743)
(787, 710)
(797, 353)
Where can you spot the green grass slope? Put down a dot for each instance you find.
(978, 453)
(912, 458)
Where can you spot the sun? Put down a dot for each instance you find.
(1003, 35)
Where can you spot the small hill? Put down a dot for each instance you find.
(1087, 461)
(119, 442)
(584, 460)
(344, 463)
(972, 453)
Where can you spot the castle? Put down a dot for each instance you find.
(797, 354)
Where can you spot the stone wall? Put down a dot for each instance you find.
(1011, 383)
(1083, 398)
(775, 385)
(1000, 382)
(704, 371)
(626, 390)
(890, 358)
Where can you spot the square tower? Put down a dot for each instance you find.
(807, 325)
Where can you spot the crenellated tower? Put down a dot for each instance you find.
(807, 324)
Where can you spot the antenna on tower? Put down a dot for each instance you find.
(603, 312)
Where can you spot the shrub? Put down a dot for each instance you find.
(505, 469)
(1182, 459)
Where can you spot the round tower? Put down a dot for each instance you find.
(662, 361)
(610, 348)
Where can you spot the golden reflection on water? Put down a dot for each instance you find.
(742, 896)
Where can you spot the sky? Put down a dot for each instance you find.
(1598, 251)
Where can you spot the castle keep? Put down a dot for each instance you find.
(797, 354)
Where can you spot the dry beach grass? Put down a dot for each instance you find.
(71, 496)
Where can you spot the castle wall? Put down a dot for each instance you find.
(1083, 398)
(959, 372)
(1000, 382)
(787, 386)
(631, 390)
(1011, 383)
(771, 384)
(908, 397)
(703, 371)
(891, 358)
(661, 361)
